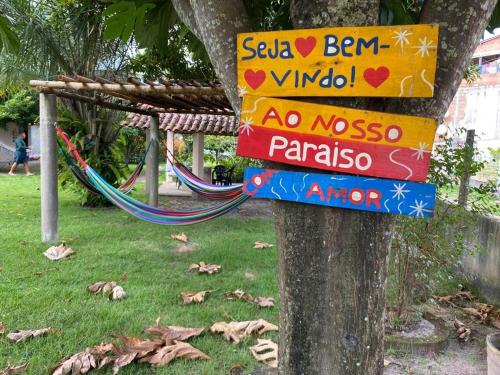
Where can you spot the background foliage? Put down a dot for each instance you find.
(21, 108)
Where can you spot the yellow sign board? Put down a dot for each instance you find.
(386, 61)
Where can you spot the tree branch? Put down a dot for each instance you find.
(186, 15)
(219, 21)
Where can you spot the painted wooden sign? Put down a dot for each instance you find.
(345, 61)
(358, 193)
(336, 138)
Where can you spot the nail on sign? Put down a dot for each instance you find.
(349, 61)
(357, 193)
(336, 138)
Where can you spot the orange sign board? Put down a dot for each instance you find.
(389, 61)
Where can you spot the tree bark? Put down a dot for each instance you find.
(333, 262)
(217, 24)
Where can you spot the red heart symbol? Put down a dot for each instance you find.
(305, 45)
(376, 77)
(255, 79)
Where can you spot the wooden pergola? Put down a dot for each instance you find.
(194, 107)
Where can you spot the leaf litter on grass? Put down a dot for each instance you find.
(19, 336)
(194, 297)
(203, 267)
(262, 245)
(237, 331)
(266, 351)
(111, 288)
(244, 296)
(180, 237)
(171, 333)
(80, 363)
(59, 252)
(159, 351)
(11, 370)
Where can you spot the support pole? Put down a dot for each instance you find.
(469, 155)
(170, 152)
(198, 147)
(48, 169)
(152, 162)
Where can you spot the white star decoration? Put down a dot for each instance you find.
(419, 208)
(401, 37)
(424, 47)
(242, 90)
(399, 191)
(420, 151)
(246, 126)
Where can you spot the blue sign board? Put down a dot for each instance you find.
(357, 193)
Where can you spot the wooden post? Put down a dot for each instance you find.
(170, 152)
(464, 182)
(153, 162)
(198, 147)
(48, 169)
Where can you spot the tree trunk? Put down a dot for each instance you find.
(333, 262)
(332, 268)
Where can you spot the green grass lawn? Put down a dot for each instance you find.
(110, 244)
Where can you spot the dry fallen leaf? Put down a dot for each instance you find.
(463, 331)
(266, 352)
(168, 353)
(489, 314)
(101, 287)
(244, 296)
(474, 313)
(19, 336)
(139, 346)
(117, 293)
(122, 360)
(461, 295)
(14, 370)
(82, 362)
(2, 328)
(171, 333)
(238, 294)
(236, 331)
(264, 301)
(180, 237)
(124, 277)
(202, 267)
(194, 297)
(58, 252)
(236, 370)
(262, 245)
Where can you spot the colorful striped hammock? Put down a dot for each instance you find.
(201, 187)
(145, 212)
(126, 187)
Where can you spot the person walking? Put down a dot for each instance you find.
(21, 155)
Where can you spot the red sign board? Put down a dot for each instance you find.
(335, 138)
